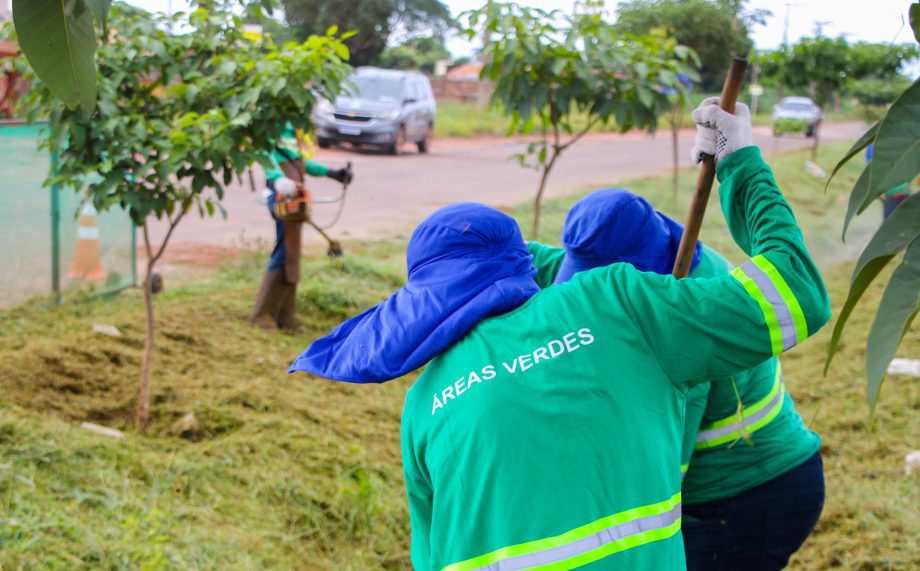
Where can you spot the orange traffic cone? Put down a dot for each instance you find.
(87, 259)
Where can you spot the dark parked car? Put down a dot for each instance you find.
(385, 108)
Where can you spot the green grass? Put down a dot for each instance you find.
(456, 119)
(462, 119)
(292, 472)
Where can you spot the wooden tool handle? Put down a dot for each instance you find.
(730, 91)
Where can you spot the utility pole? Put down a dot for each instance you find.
(756, 89)
(819, 27)
(785, 46)
(786, 26)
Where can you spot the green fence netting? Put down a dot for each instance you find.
(51, 242)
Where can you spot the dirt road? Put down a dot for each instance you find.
(391, 194)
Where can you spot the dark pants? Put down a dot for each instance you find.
(889, 203)
(276, 262)
(757, 530)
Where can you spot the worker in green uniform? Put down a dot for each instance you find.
(545, 431)
(753, 453)
(276, 301)
(611, 226)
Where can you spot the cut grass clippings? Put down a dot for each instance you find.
(291, 472)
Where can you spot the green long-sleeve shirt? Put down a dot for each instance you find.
(548, 260)
(733, 449)
(551, 435)
(287, 150)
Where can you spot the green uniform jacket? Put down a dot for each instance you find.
(732, 450)
(550, 435)
(285, 151)
(548, 260)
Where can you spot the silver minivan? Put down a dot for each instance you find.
(798, 109)
(379, 107)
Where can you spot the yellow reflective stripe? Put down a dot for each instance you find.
(610, 540)
(782, 312)
(613, 547)
(748, 411)
(750, 420)
(776, 336)
(798, 316)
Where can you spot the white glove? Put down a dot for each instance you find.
(285, 187)
(718, 132)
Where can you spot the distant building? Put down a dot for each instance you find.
(8, 49)
(461, 83)
(12, 84)
(465, 72)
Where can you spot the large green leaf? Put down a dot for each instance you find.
(58, 39)
(896, 312)
(861, 144)
(896, 158)
(857, 200)
(895, 234)
(915, 19)
(857, 289)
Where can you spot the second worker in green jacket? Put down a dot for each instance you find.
(546, 430)
(748, 450)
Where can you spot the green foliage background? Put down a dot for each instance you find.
(715, 30)
(376, 22)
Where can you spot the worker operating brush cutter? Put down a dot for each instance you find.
(547, 428)
(289, 206)
(755, 485)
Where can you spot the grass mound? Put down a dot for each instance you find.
(290, 472)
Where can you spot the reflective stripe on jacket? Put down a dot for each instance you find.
(585, 544)
(748, 420)
(781, 309)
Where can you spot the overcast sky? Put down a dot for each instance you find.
(868, 20)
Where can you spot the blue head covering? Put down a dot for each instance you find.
(466, 262)
(614, 225)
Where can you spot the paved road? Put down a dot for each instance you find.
(391, 194)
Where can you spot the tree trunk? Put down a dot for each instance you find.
(676, 120)
(538, 200)
(143, 395)
(814, 146)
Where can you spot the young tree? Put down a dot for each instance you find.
(895, 161)
(559, 76)
(818, 66)
(824, 67)
(675, 120)
(178, 114)
(374, 21)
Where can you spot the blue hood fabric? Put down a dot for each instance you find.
(466, 262)
(614, 225)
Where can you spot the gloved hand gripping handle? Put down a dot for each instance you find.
(730, 91)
